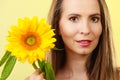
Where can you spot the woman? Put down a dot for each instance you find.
(83, 30)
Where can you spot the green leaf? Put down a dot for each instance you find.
(41, 65)
(34, 66)
(49, 71)
(4, 58)
(8, 67)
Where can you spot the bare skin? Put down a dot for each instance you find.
(37, 75)
(74, 69)
(80, 21)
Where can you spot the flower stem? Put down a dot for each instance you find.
(34, 66)
(4, 58)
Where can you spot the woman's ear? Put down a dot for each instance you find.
(59, 32)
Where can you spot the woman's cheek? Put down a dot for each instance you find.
(67, 30)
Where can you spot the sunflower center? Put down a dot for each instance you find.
(31, 40)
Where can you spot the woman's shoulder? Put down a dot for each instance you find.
(118, 72)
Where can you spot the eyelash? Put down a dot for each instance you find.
(73, 19)
(95, 19)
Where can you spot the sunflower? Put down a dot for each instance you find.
(30, 39)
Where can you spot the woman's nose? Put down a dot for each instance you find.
(84, 28)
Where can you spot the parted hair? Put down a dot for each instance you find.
(100, 64)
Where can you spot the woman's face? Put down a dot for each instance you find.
(80, 25)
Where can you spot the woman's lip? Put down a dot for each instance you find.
(84, 43)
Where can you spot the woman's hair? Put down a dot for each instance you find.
(100, 63)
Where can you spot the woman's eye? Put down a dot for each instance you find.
(95, 19)
(73, 19)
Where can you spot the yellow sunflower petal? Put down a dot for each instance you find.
(31, 39)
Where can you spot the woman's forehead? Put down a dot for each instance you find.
(80, 6)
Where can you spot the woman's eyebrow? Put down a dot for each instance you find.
(72, 14)
(95, 14)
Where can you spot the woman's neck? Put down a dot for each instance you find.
(76, 62)
(75, 68)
